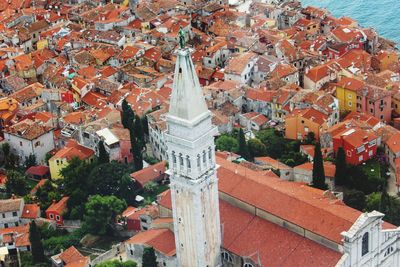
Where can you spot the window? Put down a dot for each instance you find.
(131, 251)
(350, 103)
(226, 257)
(4, 215)
(188, 162)
(365, 244)
(20, 143)
(51, 216)
(180, 159)
(15, 214)
(360, 158)
(248, 265)
(350, 96)
(57, 217)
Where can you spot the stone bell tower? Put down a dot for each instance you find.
(194, 183)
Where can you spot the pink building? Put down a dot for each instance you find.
(375, 101)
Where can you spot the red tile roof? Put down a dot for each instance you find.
(329, 168)
(73, 149)
(39, 170)
(59, 206)
(162, 240)
(149, 173)
(30, 211)
(71, 255)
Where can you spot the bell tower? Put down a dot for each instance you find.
(194, 183)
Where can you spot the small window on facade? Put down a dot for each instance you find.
(57, 217)
(14, 214)
(20, 143)
(365, 244)
(51, 216)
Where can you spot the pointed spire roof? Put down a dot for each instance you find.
(187, 100)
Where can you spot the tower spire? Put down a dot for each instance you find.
(194, 183)
(187, 100)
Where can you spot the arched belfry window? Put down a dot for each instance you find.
(188, 162)
(173, 157)
(365, 244)
(180, 159)
(248, 265)
(198, 161)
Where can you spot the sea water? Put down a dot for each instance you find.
(382, 15)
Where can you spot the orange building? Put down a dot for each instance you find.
(386, 60)
(303, 121)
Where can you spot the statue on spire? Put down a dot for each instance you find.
(182, 38)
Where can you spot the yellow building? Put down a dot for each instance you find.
(346, 93)
(61, 159)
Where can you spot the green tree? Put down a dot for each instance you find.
(256, 148)
(137, 151)
(274, 142)
(76, 185)
(227, 143)
(150, 187)
(243, 149)
(116, 263)
(386, 204)
(36, 243)
(318, 177)
(30, 161)
(145, 125)
(310, 138)
(341, 167)
(112, 179)
(101, 212)
(10, 159)
(138, 130)
(16, 183)
(128, 115)
(46, 194)
(149, 258)
(104, 157)
(355, 199)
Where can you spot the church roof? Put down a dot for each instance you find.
(187, 100)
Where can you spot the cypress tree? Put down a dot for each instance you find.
(149, 258)
(145, 125)
(243, 148)
(138, 129)
(104, 157)
(36, 244)
(318, 178)
(127, 115)
(341, 167)
(137, 148)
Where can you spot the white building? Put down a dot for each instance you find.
(368, 243)
(194, 185)
(240, 68)
(10, 212)
(30, 138)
